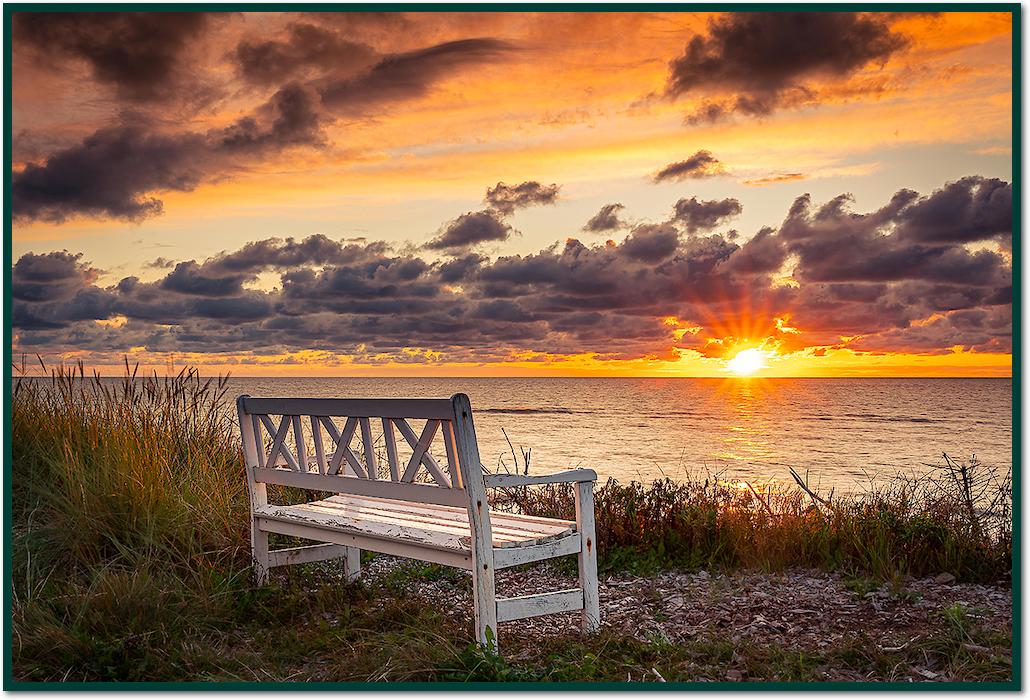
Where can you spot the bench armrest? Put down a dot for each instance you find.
(567, 477)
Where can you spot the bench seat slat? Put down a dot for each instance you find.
(454, 520)
(493, 513)
(407, 520)
(437, 526)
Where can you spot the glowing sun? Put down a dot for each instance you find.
(748, 361)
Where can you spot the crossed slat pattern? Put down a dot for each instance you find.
(333, 454)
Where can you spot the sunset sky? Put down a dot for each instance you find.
(515, 194)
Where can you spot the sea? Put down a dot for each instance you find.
(846, 434)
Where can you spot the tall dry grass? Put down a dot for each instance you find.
(121, 474)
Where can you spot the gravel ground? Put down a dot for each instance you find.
(803, 610)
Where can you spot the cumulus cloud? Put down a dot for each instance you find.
(700, 215)
(700, 165)
(607, 219)
(898, 278)
(50, 276)
(507, 198)
(971, 209)
(767, 60)
(471, 229)
(651, 243)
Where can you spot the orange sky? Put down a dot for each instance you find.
(208, 134)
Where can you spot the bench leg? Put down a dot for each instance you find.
(591, 619)
(352, 564)
(259, 550)
(486, 615)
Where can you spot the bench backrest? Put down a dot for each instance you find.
(310, 443)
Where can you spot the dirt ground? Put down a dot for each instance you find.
(798, 610)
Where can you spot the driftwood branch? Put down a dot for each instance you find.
(803, 484)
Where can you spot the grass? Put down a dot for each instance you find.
(131, 561)
(907, 527)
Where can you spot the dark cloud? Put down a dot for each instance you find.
(460, 269)
(160, 263)
(290, 118)
(278, 253)
(140, 54)
(774, 179)
(109, 175)
(700, 165)
(607, 219)
(700, 215)
(471, 229)
(50, 276)
(189, 278)
(118, 171)
(507, 198)
(651, 243)
(305, 48)
(765, 60)
(406, 76)
(969, 210)
(762, 254)
(880, 281)
(113, 172)
(833, 244)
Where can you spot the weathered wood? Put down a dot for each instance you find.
(380, 408)
(314, 516)
(437, 528)
(584, 495)
(571, 476)
(423, 493)
(343, 450)
(484, 589)
(316, 438)
(278, 442)
(427, 460)
(398, 548)
(352, 564)
(298, 440)
(448, 523)
(390, 438)
(368, 447)
(508, 529)
(257, 443)
(539, 604)
(307, 554)
(505, 557)
(258, 492)
(419, 449)
(423, 454)
(452, 454)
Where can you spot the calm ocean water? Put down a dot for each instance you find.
(842, 431)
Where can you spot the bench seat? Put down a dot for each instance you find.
(429, 525)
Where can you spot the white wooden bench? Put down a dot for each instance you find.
(411, 504)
